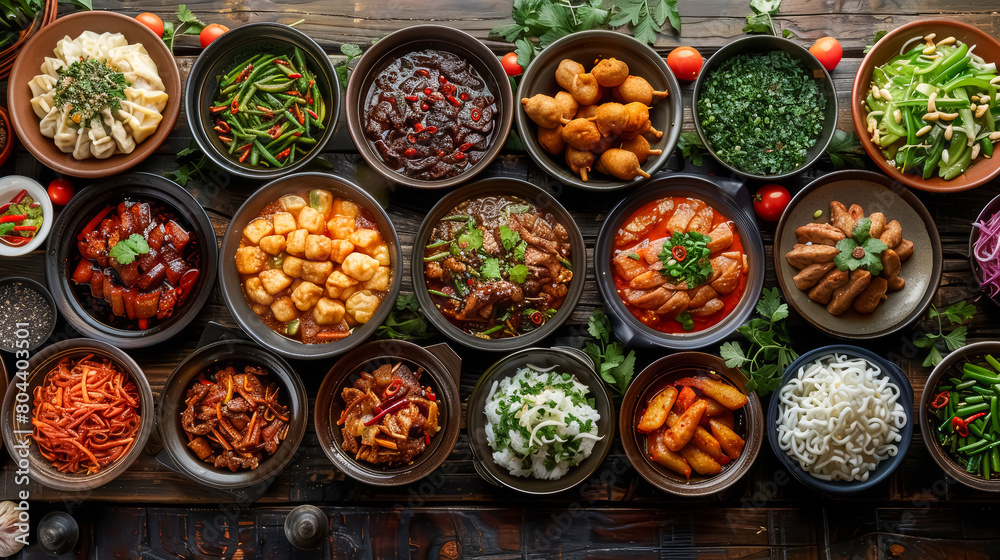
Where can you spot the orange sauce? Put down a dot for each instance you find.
(659, 230)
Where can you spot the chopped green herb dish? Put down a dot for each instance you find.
(929, 108)
(540, 423)
(762, 112)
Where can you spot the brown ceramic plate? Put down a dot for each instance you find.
(874, 192)
(17, 431)
(442, 369)
(585, 47)
(30, 60)
(655, 378)
(411, 39)
(982, 170)
(950, 367)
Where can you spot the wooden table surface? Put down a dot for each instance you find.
(151, 512)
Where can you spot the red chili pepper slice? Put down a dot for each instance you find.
(412, 98)
(960, 427)
(464, 96)
(451, 99)
(427, 439)
(537, 317)
(295, 75)
(15, 240)
(968, 420)
(459, 155)
(282, 62)
(410, 152)
(428, 91)
(442, 80)
(941, 400)
(202, 380)
(219, 109)
(411, 138)
(25, 228)
(244, 155)
(424, 106)
(92, 224)
(225, 139)
(418, 127)
(312, 114)
(391, 408)
(476, 114)
(423, 72)
(224, 126)
(20, 196)
(298, 114)
(679, 252)
(465, 147)
(274, 132)
(13, 218)
(235, 106)
(431, 130)
(143, 324)
(284, 153)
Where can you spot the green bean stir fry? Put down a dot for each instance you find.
(965, 415)
(930, 108)
(269, 110)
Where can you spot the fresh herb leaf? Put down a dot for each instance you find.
(875, 39)
(872, 248)
(766, 6)
(687, 323)
(770, 352)
(405, 321)
(610, 360)
(935, 340)
(343, 68)
(126, 250)
(490, 269)
(845, 150)
(88, 87)
(760, 20)
(694, 267)
(518, 273)
(187, 23)
(196, 166)
(692, 147)
(472, 239)
(519, 251)
(509, 238)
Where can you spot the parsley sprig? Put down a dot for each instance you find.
(187, 24)
(406, 321)
(845, 150)
(615, 367)
(770, 352)
(343, 68)
(870, 250)
(196, 166)
(126, 250)
(936, 342)
(692, 147)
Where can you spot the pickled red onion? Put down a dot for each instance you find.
(986, 250)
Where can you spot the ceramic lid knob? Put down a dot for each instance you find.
(58, 533)
(306, 526)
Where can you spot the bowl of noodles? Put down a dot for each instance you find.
(90, 415)
(842, 419)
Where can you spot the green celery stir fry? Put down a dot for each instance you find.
(930, 108)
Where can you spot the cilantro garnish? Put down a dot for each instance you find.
(126, 250)
(615, 367)
(940, 341)
(860, 250)
(88, 87)
(509, 237)
(518, 273)
(490, 269)
(689, 263)
(770, 352)
(405, 321)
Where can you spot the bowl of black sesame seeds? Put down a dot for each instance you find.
(29, 314)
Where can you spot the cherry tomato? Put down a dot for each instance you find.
(828, 51)
(60, 191)
(152, 21)
(211, 33)
(510, 65)
(770, 201)
(685, 63)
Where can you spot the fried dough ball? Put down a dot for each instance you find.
(622, 164)
(610, 72)
(585, 89)
(636, 88)
(567, 103)
(581, 134)
(640, 147)
(551, 140)
(610, 118)
(579, 161)
(545, 111)
(566, 71)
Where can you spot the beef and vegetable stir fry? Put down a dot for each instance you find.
(497, 267)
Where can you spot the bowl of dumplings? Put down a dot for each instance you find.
(77, 127)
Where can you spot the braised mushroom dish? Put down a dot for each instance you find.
(313, 266)
(852, 261)
(137, 263)
(497, 266)
(234, 420)
(388, 418)
(679, 265)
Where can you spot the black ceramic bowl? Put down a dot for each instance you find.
(62, 256)
(419, 37)
(34, 333)
(989, 211)
(209, 359)
(632, 331)
(884, 468)
(749, 423)
(763, 44)
(221, 57)
(563, 360)
(533, 195)
(585, 47)
(229, 278)
(442, 369)
(40, 469)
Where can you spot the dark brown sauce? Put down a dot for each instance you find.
(430, 115)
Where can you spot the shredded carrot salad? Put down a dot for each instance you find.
(86, 415)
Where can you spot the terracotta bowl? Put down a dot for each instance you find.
(30, 60)
(209, 359)
(950, 367)
(442, 369)
(874, 192)
(982, 170)
(585, 47)
(414, 38)
(652, 380)
(41, 469)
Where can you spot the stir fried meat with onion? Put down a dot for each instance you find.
(388, 417)
(497, 266)
(234, 421)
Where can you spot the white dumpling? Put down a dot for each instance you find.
(44, 103)
(138, 67)
(41, 83)
(156, 100)
(50, 123)
(143, 121)
(65, 136)
(68, 50)
(82, 149)
(124, 142)
(101, 143)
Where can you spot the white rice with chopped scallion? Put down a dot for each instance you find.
(540, 423)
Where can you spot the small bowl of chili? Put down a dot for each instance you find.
(107, 440)
(501, 264)
(959, 408)
(232, 415)
(26, 215)
(429, 106)
(263, 100)
(133, 262)
(404, 413)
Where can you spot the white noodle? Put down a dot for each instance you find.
(839, 418)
